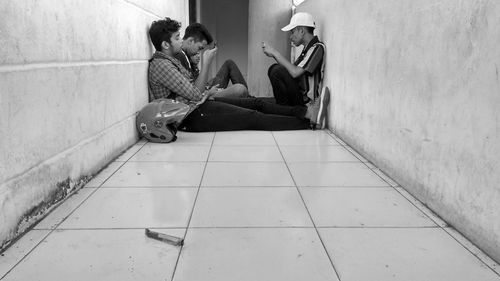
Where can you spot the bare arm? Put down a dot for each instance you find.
(207, 59)
(295, 71)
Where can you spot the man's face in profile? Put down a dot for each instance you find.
(193, 46)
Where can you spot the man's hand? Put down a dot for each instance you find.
(209, 55)
(268, 50)
(208, 94)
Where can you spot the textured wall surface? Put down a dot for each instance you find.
(265, 20)
(416, 89)
(72, 77)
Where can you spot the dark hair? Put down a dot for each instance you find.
(199, 32)
(162, 30)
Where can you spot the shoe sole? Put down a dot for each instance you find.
(324, 100)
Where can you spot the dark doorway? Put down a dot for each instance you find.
(227, 20)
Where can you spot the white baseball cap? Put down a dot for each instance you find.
(300, 19)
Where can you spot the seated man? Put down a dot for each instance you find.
(169, 79)
(196, 39)
(297, 83)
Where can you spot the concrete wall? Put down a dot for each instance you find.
(72, 76)
(416, 89)
(265, 20)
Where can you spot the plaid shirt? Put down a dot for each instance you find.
(169, 79)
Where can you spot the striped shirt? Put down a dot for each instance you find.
(311, 60)
(169, 79)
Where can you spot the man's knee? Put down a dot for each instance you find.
(240, 90)
(275, 69)
(230, 64)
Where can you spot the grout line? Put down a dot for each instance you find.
(240, 227)
(64, 219)
(438, 223)
(396, 185)
(496, 271)
(117, 228)
(152, 186)
(29, 252)
(49, 233)
(307, 209)
(380, 227)
(321, 227)
(194, 206)
(243, 161)
(130, 157)
(301, 186)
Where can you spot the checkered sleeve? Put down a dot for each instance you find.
(168, 76)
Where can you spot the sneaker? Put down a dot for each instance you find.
(317, 110)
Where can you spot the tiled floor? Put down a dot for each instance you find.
(281, 206)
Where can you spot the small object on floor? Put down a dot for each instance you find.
(176, 241)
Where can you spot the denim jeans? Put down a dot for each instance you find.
(229, 71)
(231, 114)
(286, 90)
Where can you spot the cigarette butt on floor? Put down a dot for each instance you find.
(176, 241)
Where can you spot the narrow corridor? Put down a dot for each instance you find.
(280, 206)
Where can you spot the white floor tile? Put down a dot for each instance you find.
(362, 207)
(304, 137)
(315, 153)
(385, 177)
(401, 254)
(134, 208)
(334, 174)
(245, 153)
(339, 140)
(169, 153)
(355, 153)
(473, 249)
(250, 207)
(130, 152)
(245, 254)
(244, 138)
(98, 179)
(422, 207)
(184, 138)
(157, 174)
(63, 210)
(82, 255)
(246, 174)
(19, 249)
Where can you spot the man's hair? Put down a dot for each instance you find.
(199, 32)
(162, 30)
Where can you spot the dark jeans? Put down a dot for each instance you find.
(286, 90)
(231, 114)
(229, 71)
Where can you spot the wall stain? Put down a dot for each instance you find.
(63, 190)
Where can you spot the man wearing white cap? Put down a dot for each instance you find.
(297, 83)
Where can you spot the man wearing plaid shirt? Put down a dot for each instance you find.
(169, 79)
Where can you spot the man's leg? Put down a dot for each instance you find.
(263, 106)
(229, 71)
(233, 91)
(286, 90)
(219, 116)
